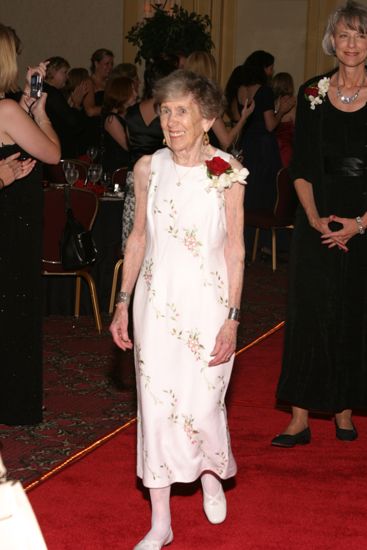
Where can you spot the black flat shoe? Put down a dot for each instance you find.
(344, 434)
(288, 441)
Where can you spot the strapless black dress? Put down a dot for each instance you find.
(20, 298)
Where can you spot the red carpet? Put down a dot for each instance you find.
(307, 498)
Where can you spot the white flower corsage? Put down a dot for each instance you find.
(222, 175)
(316, 93)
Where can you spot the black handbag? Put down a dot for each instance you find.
(77, 247)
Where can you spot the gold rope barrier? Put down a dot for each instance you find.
(78, 455)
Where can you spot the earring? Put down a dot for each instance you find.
(164, 141)
(205, 139)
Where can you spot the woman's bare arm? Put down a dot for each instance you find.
(234, 252)
(116, 131)
(227, 136)
(36, 137)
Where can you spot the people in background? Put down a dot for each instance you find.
(283, 86)
(120, 93)
(231, 92)
(130, 71)
(258, 142)
(76, 86)
(325, 354)
(68, 121)
(204, 64)
(187, 236)
(145, 134)
(21, 394)
(100, 69)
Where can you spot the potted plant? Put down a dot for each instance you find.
(177, 32)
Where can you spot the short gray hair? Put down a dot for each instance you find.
(353, 14)
(206, 93)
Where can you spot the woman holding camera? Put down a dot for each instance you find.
(24, 128)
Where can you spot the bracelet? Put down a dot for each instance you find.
(123, 298)
(234, 314)
(361, 229)
(2, 184)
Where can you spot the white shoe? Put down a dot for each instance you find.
(147, 544)
(215, 507)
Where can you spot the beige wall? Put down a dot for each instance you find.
(70, 28)
(75, 28)
(276, 26)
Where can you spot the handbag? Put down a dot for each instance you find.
(19, 528)
(77, 247)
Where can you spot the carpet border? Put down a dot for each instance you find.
(78, 455)
(81, 454)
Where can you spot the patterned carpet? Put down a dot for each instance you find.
(89, 384)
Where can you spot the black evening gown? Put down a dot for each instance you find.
(261, 153)
(20, 298)
(113, 155)
(325, 354)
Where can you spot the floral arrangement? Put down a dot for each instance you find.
(222, 175)
(176, 32)
(315, 93)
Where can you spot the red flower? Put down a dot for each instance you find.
(217, 166)
(313, 90)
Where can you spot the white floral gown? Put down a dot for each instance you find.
(179, 306)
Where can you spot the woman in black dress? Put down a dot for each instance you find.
(20, 243)
(325, 355)
(145, 134)
(119, 95)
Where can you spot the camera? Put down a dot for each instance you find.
(36, 86)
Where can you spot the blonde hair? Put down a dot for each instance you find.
(202, 64)
(282, 85)
(8, 60)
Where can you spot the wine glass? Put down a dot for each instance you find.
(67, 164)
(95, 172)
(92, 152)
(106, 180)
(71, 174)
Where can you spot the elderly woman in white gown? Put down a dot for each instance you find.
(186, 252)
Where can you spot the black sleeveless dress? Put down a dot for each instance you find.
(20, 298)
(113, 155)
(325, 354)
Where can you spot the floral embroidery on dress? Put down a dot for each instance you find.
(169, 473)
(194, 344)
(148, 273)
(146, 377)
(190, 430)
(147, 466)
(192, 242)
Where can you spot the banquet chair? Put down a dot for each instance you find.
(281, 217)
(118, 266)
(118, 176)
(85, 206)
(54, 173)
